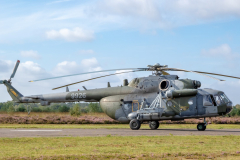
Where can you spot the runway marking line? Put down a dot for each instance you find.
(37, 130)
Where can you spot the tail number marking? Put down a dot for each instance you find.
(13, 92)
(78, 95)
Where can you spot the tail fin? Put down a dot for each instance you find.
(16, 96)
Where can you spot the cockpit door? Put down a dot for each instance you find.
(200, 108)
(209, 104)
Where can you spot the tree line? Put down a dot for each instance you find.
(235, 111)
(73, 108)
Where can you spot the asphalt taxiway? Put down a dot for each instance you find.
(11, 133)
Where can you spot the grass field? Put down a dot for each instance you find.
(116, 147)
(110, 147)
(115, 126)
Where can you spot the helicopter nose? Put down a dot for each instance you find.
(229, 107)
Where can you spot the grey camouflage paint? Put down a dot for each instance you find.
(118, 102)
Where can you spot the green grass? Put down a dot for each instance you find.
(109, 147)
(117, 126)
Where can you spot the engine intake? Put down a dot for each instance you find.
(164, 84)
(197, 84)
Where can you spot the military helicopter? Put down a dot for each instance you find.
(151, 99)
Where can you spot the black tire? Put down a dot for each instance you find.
(201, 127)
(135, 124)
(154, 124)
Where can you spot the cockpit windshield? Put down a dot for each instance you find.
(221, 98)
(224, 97)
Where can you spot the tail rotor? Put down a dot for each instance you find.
(16, 96)
(14, 71)
(12, 75)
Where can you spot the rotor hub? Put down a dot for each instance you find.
(157, 68)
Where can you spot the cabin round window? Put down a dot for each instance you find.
(190, 102)
(164, 84)
(169, 103)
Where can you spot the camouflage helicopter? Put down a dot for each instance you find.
(160, 96)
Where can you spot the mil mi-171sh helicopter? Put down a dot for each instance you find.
(160, 96)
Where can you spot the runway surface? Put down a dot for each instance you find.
(11, 133)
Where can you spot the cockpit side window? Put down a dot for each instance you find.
(218, 100)
(213, 100)
(207, 101)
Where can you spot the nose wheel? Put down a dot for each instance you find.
(202, 126)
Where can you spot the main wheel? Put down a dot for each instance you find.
(135, 124)
(154, 124)
(201, 127)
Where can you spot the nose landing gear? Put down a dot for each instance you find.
(202, 126)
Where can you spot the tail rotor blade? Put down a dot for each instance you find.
(15, 69)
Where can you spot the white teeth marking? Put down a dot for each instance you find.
(37, 130)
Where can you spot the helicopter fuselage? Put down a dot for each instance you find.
(153, 98)
(160, 96)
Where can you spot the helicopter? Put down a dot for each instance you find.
(160, 96)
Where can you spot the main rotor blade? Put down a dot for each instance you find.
(176, 69)
(183, 70)
(206, 76)
(15, 69)
(94, 78)
(165, 73)
(88, 73)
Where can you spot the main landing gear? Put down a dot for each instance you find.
(136, 124)
(154, 124)
(202, 126)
